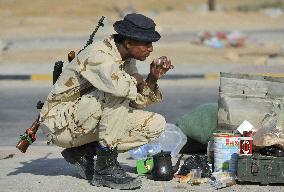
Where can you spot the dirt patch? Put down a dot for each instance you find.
(59, 18)
(41, 19)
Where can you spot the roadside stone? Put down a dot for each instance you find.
(4, 46)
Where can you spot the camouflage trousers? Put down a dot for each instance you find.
(99, 116)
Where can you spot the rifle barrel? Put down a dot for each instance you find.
(90, 41)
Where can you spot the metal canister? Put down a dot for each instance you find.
(226, 151)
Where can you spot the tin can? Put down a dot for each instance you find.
(226, 151)
(246, 145)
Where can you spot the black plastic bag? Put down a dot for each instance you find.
(196, 162)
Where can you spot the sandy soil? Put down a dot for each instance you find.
(167, 22)
(42, 19)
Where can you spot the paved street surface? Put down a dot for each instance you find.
(33, 38)
(180, 69)
(18, 100)
(43, 169)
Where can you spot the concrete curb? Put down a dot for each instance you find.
(26, 77)
(40, 77)
(210, 76)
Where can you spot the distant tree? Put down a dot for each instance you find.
(211, 5)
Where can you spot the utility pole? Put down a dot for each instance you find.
(211, 5)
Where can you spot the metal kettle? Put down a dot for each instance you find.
(163, 169)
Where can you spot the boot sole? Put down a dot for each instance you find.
(102, 183)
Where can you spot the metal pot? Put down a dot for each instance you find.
(163, 169)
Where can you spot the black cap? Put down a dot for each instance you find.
(137, 27)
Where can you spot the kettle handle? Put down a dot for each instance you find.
(175, 168)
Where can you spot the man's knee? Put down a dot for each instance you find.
(159, 123)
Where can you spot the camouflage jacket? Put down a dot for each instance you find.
(99, 66)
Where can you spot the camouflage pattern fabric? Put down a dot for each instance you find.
(90, 102)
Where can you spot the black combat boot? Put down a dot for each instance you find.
(82, 157)
(109, 173)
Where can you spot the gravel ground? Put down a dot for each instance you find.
(43, 169)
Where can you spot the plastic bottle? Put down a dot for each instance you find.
(172, 139)
(210, 152)
(222, 179)
(145, 151)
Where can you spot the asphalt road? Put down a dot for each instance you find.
(265, 35)
(18, 101)
(42, 167)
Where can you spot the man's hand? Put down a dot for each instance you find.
(160, 66)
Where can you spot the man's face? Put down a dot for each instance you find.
(139, 50)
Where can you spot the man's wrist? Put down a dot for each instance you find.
(141, 86)
(151, 81)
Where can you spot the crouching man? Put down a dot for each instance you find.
(94, 108)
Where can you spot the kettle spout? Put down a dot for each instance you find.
(175, 168)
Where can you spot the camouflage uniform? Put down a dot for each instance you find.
(91, 102)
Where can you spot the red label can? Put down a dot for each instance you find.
(246, 145)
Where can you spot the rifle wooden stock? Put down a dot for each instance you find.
(28, 137)
(71, 55)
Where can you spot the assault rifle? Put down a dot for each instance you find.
(29, 136)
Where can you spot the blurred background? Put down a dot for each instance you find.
(201, 37)
(43, 31)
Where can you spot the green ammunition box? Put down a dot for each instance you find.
(261, 169)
